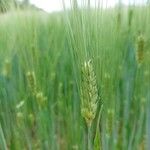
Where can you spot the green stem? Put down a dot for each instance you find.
(89, 138)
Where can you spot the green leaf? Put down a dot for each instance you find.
(97, 140)
(2, 139)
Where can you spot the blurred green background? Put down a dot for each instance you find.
(54, 47)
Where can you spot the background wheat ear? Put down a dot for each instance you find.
(140, 49)
(31, 79)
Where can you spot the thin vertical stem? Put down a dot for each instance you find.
(89, 138)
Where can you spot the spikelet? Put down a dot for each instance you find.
(140, 49)
(32, 82)
(89, 93)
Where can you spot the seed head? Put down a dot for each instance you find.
(140, 49)
(89, 93)
(31, 82)
(41, 99)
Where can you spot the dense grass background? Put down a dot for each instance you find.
(55, 46)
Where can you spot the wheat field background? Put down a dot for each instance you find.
(42, 80)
